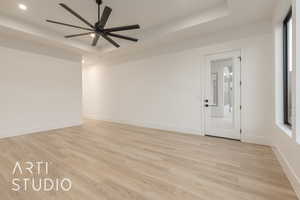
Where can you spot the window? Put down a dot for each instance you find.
(287, 69)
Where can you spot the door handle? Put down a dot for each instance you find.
(206, 103)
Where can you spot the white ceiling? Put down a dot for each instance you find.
(158, 18)
(144, 12)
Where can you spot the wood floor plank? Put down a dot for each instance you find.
(110, 161)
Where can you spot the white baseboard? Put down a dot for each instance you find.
(149, 125)
(40, 128)
(290, 173)
(255, 139)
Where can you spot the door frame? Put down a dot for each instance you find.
(206, 90)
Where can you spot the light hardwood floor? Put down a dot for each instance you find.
(108, 161)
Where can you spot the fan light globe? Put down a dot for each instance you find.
(22, 7)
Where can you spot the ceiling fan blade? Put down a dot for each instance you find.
(95, 41)
(77, 35)
(76, 14)
(105, 16)
(122, 28)
(122, 37)
(110, 40)
(64, 24)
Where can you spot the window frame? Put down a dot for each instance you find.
(286, 68)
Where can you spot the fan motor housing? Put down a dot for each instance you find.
(99, 2)
(97, 27)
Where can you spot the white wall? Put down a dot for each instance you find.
(285, 140)
(166, 91)
(37, 92)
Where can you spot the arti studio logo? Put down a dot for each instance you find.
(37, 179)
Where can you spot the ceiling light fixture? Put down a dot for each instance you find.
(22, 7)
(98, 29)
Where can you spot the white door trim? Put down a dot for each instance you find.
(235, 132)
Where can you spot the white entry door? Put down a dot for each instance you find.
(223, 100)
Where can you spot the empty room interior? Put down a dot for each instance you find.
(149, 100)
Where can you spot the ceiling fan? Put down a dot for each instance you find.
(98, 29)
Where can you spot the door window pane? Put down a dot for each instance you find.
(214, 79)
(222, 94)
